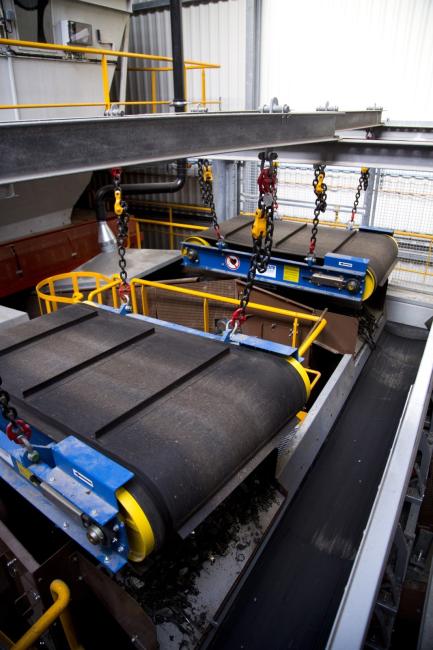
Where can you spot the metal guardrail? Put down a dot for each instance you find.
(48, 297)
(103, 53)
(319, 322)
(352, 620)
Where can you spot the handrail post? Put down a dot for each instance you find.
(105, 82)
(203, 86)
(206, 315)
(153, 86)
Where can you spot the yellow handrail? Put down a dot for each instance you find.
(319, 321)
(104, 53)
(51, 299)
(62, 596)
(95, 50)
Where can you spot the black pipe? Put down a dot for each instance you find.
(179, 100)
(179, 103)
(168, 187)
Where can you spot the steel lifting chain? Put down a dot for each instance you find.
(121, 211)
(262, 232)
(205, 179)
(362, 185)
(17, 429)
(320, 189)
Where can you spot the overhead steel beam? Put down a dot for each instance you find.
(39, 149)
(417, 156)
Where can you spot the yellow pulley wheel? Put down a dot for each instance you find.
(370, 284)
(140, 534)
(197, 240)
(303, 374)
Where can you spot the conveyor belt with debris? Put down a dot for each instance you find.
(291, 596)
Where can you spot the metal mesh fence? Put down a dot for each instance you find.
(400, 201)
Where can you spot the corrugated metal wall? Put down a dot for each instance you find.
(213, 32)
(351, 53)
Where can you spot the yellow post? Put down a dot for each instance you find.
(205, 315)
(105, 82)
(61, 595)
(138, 234)
(312, 337)
(203, 86)
(295, 332)
(171, 232)
(115, 297)
(153, 83)
(52, 293)
(144, 302)
(185, 86)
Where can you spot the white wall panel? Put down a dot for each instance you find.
(213, 32)
(351, 52)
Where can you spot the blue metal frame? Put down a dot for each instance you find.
(291, 274)
(74, 486)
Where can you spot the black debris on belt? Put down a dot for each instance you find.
(165, 583)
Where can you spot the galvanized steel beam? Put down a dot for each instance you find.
(41, 149)
(379, 154)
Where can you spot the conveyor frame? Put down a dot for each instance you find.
(353, 617)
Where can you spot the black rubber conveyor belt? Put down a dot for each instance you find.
(186, 414)
(290, 598)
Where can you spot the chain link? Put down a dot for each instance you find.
(121, 211)
(362, 184)
(320, 189)
(262, 245)
(17, 430)
(9, 412)
(205, 180)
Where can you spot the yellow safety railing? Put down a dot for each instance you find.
(103, 53)
(61, 596)
(319, 322)
(170, 224)
(48, 297)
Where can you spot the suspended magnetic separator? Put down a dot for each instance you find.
(348, 264)
(125, 414)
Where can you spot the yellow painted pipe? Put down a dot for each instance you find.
(312, 337)
(62, 595)
(105, 82)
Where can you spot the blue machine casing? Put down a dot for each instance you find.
(340, 269)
